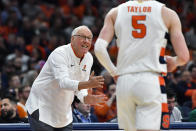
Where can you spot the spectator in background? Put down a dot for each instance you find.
(192, 116)
(14, 85)
(191, 62)
(107, 111)
(23, 96)
(175, 114)
(27, 31)
(11, 10)
(73, 22)
(29, 77)
(185, 88)
(52, 44)
(11, 41)
(173, 79)
(3, 51)
(191, 36)
(30, 5)
(17, 63)
(57, 27)
(193, 73)
(82, 112)
(9, 111)
(7, 71)
(14, 81)
(35, 45)
(19, 53)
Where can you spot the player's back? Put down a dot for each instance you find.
(140, 32)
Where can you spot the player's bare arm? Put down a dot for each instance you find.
(173, 23)
(107, 32)
(105, 37)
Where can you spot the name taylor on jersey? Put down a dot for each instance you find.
(139, 9)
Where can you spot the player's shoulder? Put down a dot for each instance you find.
(169, 16)
(112, 14)
(168, 11)
(113, 11)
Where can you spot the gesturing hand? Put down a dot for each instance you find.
(93, 82)
(96, 81)
(95, 99)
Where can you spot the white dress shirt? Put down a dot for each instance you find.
(54, 89)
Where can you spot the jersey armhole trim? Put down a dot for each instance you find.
(117, 17)
(163, 23)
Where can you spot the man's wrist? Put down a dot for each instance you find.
(83, 85)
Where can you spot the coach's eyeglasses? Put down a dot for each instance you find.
(84, 37)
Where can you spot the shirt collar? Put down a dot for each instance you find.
(74, 54)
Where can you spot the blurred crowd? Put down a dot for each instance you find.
(31, 29)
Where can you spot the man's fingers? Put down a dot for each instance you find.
(99, 78)
(100, 99)
(100, 105)
(101, 86)
(97, 99)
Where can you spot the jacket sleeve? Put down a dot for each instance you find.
(59, 67)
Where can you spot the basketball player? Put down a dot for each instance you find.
(65, 74)
(141, 27)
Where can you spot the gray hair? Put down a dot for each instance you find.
(75, 31)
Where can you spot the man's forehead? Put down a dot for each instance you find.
(84, 31)
(5, 101)
(171, 99)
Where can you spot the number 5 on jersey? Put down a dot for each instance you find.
(140, 29)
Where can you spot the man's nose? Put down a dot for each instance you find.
(86, 39)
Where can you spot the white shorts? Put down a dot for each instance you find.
(139, 101)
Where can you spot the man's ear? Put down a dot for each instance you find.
(72, 38)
